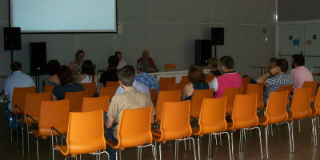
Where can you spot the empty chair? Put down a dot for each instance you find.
(256, 89)
(230, 94)
(95, 103)
(244, 117)
(164, 81)
(212, 121)
(75, 99)
(166, 96)
(112, 84)
(85, 134)
(313, 85)
(174, 125)
(52, 114)
(170, 66)
(91, 88)
(276, 113)
(197, 99)
(108, 91)
(245, 82)
(134, 131)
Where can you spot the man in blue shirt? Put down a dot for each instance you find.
(149, 81)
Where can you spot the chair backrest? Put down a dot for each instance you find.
(197, 99)
(287, 88)
(108, 91)
(184, 81)
(174, 86)
(95, 103)
(313, 85)
(300, 106)
(33, 103)
(135, 127)
(166, 96)
(91, 88)
(175, 122)
(230, 94)
(245, 82)
(112, 84)
(19, 97)
(209, 77)
(276, 110)
(164, 81)
(53, 114)
(85, 132)
(48, 88)
(317, 103)
(256, 89)
(212, 117)
(244, 113)
(170, 66)
(153, 95)
(75, 99)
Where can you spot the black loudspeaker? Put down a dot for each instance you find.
(38, 57)
(12, 38)
(217, 36)
(203, 51)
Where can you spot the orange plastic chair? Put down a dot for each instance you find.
(287, 88)
(164, 81)
(209, 77)
(75, 99)
(184, 81)
(244, 117)
(230, 94)
(170, 66)
(197, 99)
(19, 98)
(300, 108)
(245, 82)
(134, 131)
(174, 86)
(112, 84)
(276, 113)
(315, 117)
(52, 114)
(108, 91)
(153, 95)
(95, 103)
(256, 89)
(174, 125)
(91, 88)
(165, 96)
(212, 121)
(85, 134)
(48, 88)
(313, 85)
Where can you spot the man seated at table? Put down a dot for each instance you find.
(276, 77)
(146, 63)
(75, 65)
(129, 99)
(299, 72)
(229, 78)
(121, 62)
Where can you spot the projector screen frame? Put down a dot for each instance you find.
(67, 32)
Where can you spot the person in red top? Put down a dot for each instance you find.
(146, 63)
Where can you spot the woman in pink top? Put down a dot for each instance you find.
(229, 78)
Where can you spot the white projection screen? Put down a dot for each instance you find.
(60, 16)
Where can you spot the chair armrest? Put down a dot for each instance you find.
(28, 116)
(17, 107)
(57, 131)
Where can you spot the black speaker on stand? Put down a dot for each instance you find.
(217, 37)
(38, 60)
(203, 51)
(12, 39)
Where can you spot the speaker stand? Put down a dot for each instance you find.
(215, 51)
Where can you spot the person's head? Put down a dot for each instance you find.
(126, 76)
(297, 60)
(65, 75)
(212, 62)
(88, 67)
(113, 62)
(145, 54)
(53, 67)
(272, 62)
(283, 65)
(118, 54)
(15, 66)
(195, 74)
(80, 55)
(226, 63)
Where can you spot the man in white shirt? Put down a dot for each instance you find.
(17, 79)
(121, 62)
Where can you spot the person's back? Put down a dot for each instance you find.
(228, 80)
(299, 73)
(111, 73)
(147, 80)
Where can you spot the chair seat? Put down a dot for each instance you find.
(263, 121)
(299, 115)
(62, 149)
(196, 131)
(156, 135)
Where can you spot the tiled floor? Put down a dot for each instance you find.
(278, 146)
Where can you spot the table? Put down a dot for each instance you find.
(178, 73)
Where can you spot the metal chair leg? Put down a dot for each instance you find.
(194, 148)
(199, 147)
(292, 136)
(22, 138)
(314, 132)
(271, 129)
(10, 123)
(220, 139)
(299, 126)
(266, 139)
(232, 149)
(241, 140)
(229, 145)
(260, 142)
(290, 139)
(37, 141)
(160, 151)
(209, 145)
(185, 145)
(215, 137)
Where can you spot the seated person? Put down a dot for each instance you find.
(228, 79)
(88, 74)
(121, 62)
(129, 99)
(146, 63)
(111, 72)
(272, 64)
(197, 79)
(299, 72)
(75, 65)
(213, 66)
(52, 67)
(140, 87)
(276, 77)
(147, 80)
(66, 84)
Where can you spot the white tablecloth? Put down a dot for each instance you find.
(174, 73)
